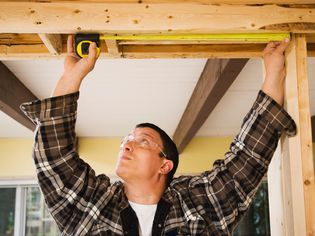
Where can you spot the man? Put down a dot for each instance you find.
(149, 201)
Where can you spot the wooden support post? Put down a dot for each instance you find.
(275, 195)
(113, 48)
(297, 160)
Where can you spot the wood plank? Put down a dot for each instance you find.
(30, 48)
(23, 51)
(53, 43)
(214, 81)
(292, 27)
(139, 17)
(16, 39)
(313, 128)
(236, 2)
(193, 51)
(180, 42)
(300, 213)
(18, 52)
(12, 93)
(113, 48)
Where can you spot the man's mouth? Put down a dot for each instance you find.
(125, 158)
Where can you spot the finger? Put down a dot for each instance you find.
(92, 53)
(70, 44)
(283, 45)
(270, 47)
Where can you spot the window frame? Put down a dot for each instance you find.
(20, 201)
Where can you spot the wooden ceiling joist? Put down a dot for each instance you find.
(32, 29)
(32, 46)
(214, 81)
(53, 43)
(12, 94)
(154, 17)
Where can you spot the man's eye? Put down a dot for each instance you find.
(145, 142)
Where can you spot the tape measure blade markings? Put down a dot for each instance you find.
(255, 37)
(83, 41)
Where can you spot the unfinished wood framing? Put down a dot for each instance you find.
(113, 48)
(298, 164)
(53, 42)
(30, 46)
(162, 17)
(313, 127)
(38, 29)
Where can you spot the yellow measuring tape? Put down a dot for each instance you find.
(82, 41)
(253, 37)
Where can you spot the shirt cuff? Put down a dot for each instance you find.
(274, 114)
(50, 107)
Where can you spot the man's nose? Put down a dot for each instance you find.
(128, 146)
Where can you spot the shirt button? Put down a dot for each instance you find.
(159, 225)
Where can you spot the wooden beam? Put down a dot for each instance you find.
(17, 52)
(160, 17)
(30, 46)
(53, 42)
(12, 93)
(35, 51)
(214, 81)
(232, 2)
(298, 164)
(193, 51)
(313, 128)
(113, 48)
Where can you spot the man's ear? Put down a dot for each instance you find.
(166, 167)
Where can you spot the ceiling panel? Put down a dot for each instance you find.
(120, 93)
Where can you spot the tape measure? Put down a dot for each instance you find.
(83, 41)
(82, 44)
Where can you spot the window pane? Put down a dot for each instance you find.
(256, 221)
(7, 208)
(38, 220)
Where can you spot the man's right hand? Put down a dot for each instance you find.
(75, 69)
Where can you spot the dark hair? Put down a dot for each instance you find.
(169, 148)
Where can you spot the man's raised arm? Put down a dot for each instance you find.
(71, 189)
(75, 69)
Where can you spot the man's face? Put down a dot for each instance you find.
(139, 158)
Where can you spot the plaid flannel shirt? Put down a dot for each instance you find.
(211, 203)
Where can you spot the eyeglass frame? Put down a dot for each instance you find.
(132, 137)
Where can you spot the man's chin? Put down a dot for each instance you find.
(120, 173)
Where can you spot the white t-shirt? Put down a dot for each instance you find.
(145, 214)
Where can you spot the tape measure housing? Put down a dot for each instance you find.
(82, 44)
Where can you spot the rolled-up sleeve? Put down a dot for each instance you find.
(229, 187)
(68, 183)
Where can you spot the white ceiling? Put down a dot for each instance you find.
(120, 93)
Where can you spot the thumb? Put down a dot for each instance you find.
(283, 45)
(92, 55)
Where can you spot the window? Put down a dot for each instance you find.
(23, 211)
(7, 206)
(38, 220)
(256, 221)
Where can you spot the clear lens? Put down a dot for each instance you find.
(141, 141)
